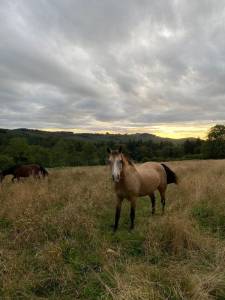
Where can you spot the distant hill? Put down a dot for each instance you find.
(62, 148)
(90, 137)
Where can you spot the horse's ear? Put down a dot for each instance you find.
(120, 149)
(108, 150)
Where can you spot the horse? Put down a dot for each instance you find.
(19, 171)
(132, 181)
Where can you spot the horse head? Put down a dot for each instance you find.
(116, 163)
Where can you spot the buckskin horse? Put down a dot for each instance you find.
(132, 181)
(19, 171)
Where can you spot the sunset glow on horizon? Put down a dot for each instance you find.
(174, 131)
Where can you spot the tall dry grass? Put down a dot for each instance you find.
(56, 241)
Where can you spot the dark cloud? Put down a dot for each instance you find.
(111, 64)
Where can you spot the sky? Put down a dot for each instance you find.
(113, 66)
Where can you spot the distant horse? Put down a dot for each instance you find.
(19, 171)
(132, 181)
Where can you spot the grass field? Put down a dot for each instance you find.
(56, 241)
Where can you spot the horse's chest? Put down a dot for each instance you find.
(126, 190)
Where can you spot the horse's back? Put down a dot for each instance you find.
(152, 176)
(27, 170)
(150, 168)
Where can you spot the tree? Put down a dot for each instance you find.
(40, 155)
(5, 161)
(215, 145)
(59, 153)
(89, 154)
(192, 146)
(217, 132)
(19, 150)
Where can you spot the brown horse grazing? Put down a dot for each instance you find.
(132, 181)
(19, 171)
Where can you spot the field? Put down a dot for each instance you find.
(56, 241)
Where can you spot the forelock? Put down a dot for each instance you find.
(115, 152)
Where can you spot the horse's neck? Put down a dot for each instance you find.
(129, 174)
(129, 182)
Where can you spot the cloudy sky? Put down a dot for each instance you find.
(120, 66)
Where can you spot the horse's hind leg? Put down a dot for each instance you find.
(163, 200)
(152, 196)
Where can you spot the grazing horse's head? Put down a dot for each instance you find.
(116, 163)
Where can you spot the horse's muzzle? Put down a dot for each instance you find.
(116, 178)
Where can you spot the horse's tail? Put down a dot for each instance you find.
(171, 176)
(43, 171)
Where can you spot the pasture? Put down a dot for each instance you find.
(56, 240)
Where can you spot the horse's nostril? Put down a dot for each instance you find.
(116, 178)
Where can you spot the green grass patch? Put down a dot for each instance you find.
(210, 218)
(5, 224)
(86, 263)
(46, 287)
(129, 243)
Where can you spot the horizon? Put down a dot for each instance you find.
(133, 132)
(156, 132)
(121, 67)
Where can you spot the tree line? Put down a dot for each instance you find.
(59, 152)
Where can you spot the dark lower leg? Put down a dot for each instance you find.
(163, 202)
(132, 214)
(117, 214)
(152, 196)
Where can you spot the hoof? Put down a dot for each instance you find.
(114, 229)
(131, 229)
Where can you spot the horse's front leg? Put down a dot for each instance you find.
(132, 212)
(117, 214)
